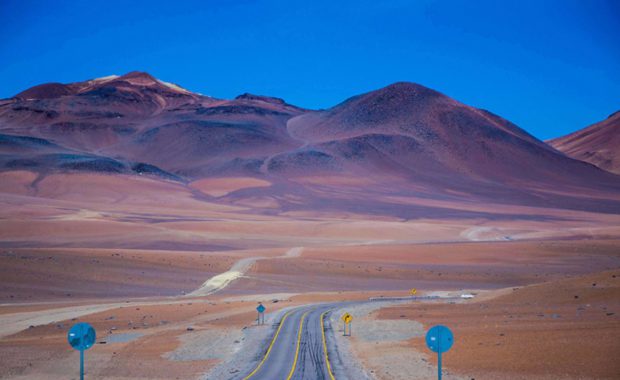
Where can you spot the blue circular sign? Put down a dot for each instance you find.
(439, 339)
(81, 336)
(260, 308)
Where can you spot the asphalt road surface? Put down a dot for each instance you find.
(298, 349)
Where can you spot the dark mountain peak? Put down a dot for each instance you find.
(267, 99)
(394, 98)
(405, 91)
(143, 79)
(405, 86)
(138, 75)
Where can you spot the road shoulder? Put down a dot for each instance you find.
(379, 349)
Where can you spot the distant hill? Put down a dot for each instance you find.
(598, 144)
(404, 140)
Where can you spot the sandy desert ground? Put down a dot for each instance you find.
(568, 328)
(126, 253)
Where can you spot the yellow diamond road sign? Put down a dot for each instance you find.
(414, 291)
(347, 318)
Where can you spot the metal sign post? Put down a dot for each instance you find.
(261, 314)
(81, 337)
(439, 339)
(347, 319)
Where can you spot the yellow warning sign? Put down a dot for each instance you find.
(413, 291)
(346, 317)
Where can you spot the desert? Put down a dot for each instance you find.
(128, 265)
(264, 190)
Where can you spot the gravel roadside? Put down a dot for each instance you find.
(378, 349)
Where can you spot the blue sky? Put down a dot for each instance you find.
(550, 66)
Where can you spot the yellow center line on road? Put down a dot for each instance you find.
(329, 367)
(270, 346)
(301, 326)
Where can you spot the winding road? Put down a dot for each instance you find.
(238, 270)
(299, 348)
(303, 345)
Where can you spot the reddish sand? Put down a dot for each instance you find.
(82, 240)
(218, 187)
(42, 352)
(104, 211)
(430, 266)
(568, 329)
(118, 236)
(66, 274)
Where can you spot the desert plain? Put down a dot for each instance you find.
(546, 305)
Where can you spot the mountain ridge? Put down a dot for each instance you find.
(401, 140)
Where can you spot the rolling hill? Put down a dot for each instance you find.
(365, 154)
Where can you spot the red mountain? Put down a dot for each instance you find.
(138, 118)
(404, 140)
(598, 144)
(413, 130)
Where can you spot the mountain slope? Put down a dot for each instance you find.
(138, 118)
(417, 132)
(93, 114)
(44, 157)
(598, 144)
(369, 154)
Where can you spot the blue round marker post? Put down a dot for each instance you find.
(439, 339)
(261, 313)
(81, 337)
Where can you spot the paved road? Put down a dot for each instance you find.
(303, 345)
(299, 348)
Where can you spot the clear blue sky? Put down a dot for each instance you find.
(550, 66)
